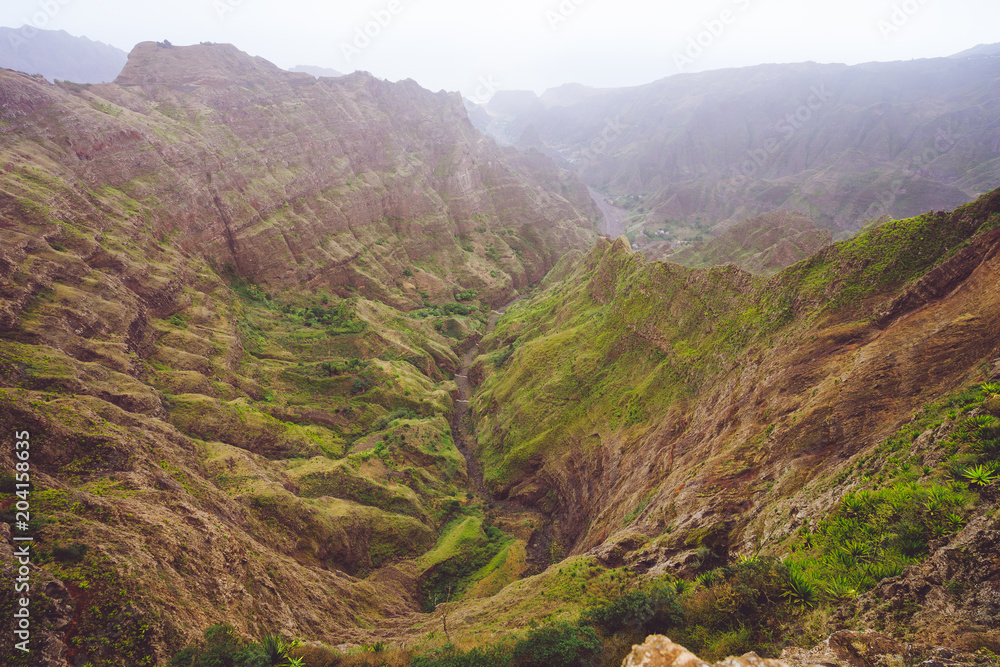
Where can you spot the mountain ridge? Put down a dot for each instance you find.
(871, 143)
(55, 54)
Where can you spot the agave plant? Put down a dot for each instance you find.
(852, 505)
(275, 649)
(884, 570)
(857, 551)
(840, 588)
(988, 446)
(954, 522)
(981, 475)
(981, 421)
(800, 591)
(933, 507)
(939, 494)
(956, 470)
(707, 579)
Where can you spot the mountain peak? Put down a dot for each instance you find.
(198, 65)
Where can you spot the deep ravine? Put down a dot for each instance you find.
(463, 433)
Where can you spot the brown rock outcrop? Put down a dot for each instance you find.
(659, 651)
(841, 649)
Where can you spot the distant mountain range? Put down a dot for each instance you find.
(318, 72)
(55, 54)
(983, 50)
(841, 144)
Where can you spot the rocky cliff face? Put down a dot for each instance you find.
(291, 180)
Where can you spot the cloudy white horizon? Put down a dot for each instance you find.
(480, 47)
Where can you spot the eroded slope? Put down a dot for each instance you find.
(232, 303)
(650, 397)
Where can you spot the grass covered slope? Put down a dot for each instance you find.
(628, 393)
(219, 455)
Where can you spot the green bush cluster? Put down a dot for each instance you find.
(338, 320)
(444, 310)
(73, 553)
(246, 289)
(500, 357)
(332, 368)
(560, 644)
(644, 611)
(735, 608)
(222, 647)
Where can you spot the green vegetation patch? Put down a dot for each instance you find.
(461, 556)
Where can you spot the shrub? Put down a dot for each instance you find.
(457, 309)
(800, 591)
(222, 647)
(8, 483)
(73, 553)
(558, 645)
(500, 357)
(495, 655)
(648, 612)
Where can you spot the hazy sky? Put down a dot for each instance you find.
(477, 46)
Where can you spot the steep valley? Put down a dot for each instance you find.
(314, 357)
(233, 303)
(842, 144)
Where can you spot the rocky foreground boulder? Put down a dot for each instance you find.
(841, 649)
